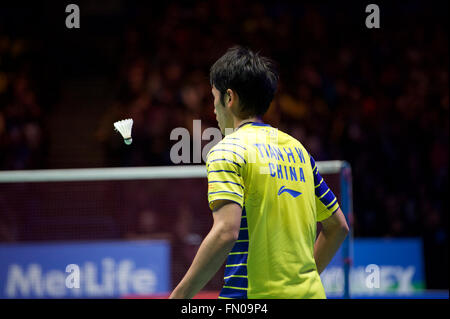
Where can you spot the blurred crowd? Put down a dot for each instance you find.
(22, 142)
(376, 98)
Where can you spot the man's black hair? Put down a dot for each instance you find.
(253, 77)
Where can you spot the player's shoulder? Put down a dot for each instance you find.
(295, 144)
(234, 140)
(231, 145)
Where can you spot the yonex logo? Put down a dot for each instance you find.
(291, 192)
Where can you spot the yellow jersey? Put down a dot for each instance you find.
(277, 183)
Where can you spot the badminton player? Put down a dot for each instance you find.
(266, 196)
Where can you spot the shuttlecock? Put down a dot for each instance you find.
(124, 128)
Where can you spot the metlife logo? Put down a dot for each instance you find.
(95, 270)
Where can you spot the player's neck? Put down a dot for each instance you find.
(240, 122)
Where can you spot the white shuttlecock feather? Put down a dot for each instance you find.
(124, 128)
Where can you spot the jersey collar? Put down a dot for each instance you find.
(253, 124)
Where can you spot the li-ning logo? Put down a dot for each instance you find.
(291, 192)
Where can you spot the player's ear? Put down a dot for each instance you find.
(230, 97)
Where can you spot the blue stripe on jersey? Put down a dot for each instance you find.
(321, 190)
(260, 124)
(243, 234)
(317, 177)
(223, 160)
(332, 203)
(328, 198)
(236, 287)
(224, 170)
(233, 293)
(241, 246)
(225, 192)
(313, 162)
(335, 211)
(224, 150)
(223, 143)
(238, 282)
(233, 138)
(227, 182)
(323, 187)
(235, 259)
(236, 270)
(320, 183)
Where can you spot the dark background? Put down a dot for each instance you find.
(377, 98)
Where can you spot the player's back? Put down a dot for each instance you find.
(272, 176)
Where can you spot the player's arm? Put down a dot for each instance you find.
(334, 230)
(213, 250)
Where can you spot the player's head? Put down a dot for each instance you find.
(243, 85)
